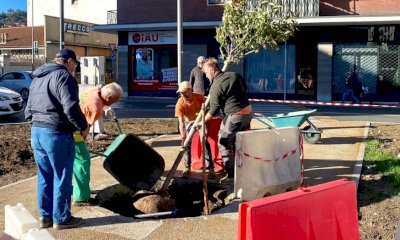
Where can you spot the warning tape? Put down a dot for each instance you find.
(325, 103)
(284, 156)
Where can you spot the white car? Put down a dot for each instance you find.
(11, 102)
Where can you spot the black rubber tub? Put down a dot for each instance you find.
(133, 162)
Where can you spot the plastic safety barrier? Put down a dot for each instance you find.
(268, 162)
(327, 211)
(196, 153)
(20, 224)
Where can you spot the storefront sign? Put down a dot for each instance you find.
(381, 34)
(152, 38)
(76, 28)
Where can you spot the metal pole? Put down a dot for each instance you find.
(179, 30)
(285, 73)
(33, 39)
(61, 24)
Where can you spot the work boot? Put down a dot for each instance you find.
(45, 222)
(90, 202)
(186, 173)
(226, 180)
(211, 173)
(73, 222)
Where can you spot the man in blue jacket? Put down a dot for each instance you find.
(53, 109)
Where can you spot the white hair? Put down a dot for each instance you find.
(201, 59)
(113, 90)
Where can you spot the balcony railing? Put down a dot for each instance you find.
(112, 17)
(300, 8)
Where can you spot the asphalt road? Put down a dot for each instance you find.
(145, 107)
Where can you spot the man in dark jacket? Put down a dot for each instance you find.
(350, 87)
(53, 109)
(198, 78)
(228, 94)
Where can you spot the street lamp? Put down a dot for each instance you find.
(179, 31)
(33, 52)
(61, 24)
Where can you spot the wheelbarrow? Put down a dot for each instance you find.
(295, 119)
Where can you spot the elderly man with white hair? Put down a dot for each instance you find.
(94, 102)
(198, 79)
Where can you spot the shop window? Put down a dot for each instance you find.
(154, 68)
(265, 71)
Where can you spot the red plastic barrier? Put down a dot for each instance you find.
(327, 211)
(213, 128)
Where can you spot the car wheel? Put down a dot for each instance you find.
(25, 94)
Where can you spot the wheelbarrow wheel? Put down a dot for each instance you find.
(311, 137)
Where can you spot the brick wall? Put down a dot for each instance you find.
(359, 7)
(139, 11)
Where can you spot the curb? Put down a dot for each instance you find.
(360, 155)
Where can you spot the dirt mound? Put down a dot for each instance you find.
(16, 157)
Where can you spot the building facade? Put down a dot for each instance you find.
(334, 38)
(17, 44)
(93, 11)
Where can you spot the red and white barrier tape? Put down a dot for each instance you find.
(284, 156)
(324, 103)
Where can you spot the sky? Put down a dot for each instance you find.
(13, 4)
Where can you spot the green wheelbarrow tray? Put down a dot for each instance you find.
(295, 119)
(291, 119)
(133, 162)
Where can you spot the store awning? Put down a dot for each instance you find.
(303, 22)
(109, 28)
(349, 21)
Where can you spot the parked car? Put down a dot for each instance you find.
(11, 102)
(19, 81)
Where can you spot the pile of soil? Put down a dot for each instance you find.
(16, 157)
(378, 215)
(378, 199)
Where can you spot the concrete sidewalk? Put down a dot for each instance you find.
(338, 155)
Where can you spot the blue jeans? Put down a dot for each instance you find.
(348, 92)
(54, 153)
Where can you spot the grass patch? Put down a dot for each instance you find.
(386, 163)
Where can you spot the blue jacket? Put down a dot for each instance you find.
(53, 100)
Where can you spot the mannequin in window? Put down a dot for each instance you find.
(144, 66)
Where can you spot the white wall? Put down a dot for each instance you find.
(92, 11)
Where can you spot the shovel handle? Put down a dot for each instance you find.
(98, 154)
(117, 126)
